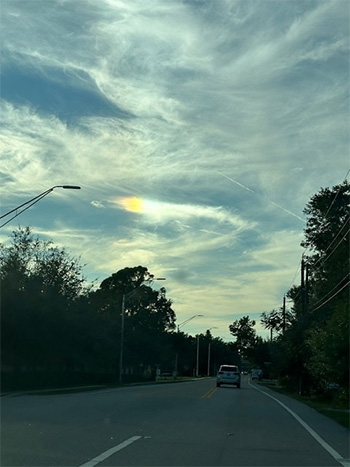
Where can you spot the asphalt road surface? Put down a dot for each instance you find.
(183, 424)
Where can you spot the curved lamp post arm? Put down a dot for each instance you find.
(148, 281)
(187, 320)
(33, 201)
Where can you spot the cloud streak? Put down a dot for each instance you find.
(166, 104)
(272, 202)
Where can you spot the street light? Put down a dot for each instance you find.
(178, 330)
(127, 295)
(185, 322)
(33, 201)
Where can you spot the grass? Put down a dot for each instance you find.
(77, 389)
(337, 410)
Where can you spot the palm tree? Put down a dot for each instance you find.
(272, 321)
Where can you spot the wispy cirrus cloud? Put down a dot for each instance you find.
(221, 120)
(157, 211)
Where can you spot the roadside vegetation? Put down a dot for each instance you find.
(57, 330)
(308, 350)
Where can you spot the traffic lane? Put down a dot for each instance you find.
(179, 424)
(267, 435)
(334, 434)
(68, 429)
(56, 430)
(231, 427)
(176, 435)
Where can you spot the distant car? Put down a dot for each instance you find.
(256, 374)
(228, 374)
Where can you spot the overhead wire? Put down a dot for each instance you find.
(320, 300)
(298, 296)
(336, 195)
(330, 298)
(27, 205)
(323, 260)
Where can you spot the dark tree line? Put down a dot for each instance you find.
(56, 329)
(310, 347)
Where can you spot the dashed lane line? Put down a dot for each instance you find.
(110, 452)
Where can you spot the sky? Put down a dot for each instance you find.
(198, 130)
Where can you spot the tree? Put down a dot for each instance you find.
(53, 323)
(327, 235)
(144, 306)
(315, 348)
(245, 334)
(148, 314)
(272, 321)
(329, 346)
(41, 285)
(276, 320)
(328, 213)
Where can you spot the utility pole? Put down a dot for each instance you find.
(122, 341)
(307, 287)
(197, 364)
(284, 314)
(208, 372)
(304, 306)
(302, 286)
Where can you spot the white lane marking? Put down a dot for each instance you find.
(110, 452)
(326, 446)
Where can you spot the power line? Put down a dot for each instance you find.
(320, 300)
(330, 254)
(296, 272)
(298, 297)
(329, 208)
(27, 205)
(330, 298)
(334, 239)
(335, 197)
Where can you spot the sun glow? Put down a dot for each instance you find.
(140, 205)
(132, 204)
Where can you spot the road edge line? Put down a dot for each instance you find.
(336, 456)
(110, 452)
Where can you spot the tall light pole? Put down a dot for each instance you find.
(178, 330)
(125, 296)
(33, 201)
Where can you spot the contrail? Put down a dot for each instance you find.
(237, 183)
(286, 210)
(252, 191)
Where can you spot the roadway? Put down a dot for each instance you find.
(183, 424)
